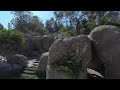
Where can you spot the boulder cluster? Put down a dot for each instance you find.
(77, 57)
(99, 51)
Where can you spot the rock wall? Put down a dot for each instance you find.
(80, 46)
(106, 40)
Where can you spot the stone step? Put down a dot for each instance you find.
(36, 62)
(29, 72)
(28, 76)
(32, 69)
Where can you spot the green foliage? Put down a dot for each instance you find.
(111, 21)
(25, 22)
(9, 38)
(45, 32)
(42, 31)
(87, 19)
(91, 24)
(68, 64)
(52, 25)
(65, 32)
(1, 26)
(102, 21)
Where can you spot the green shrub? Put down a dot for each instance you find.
(91, 25)
(45, 32)
(41, 31)
(68, 64)
(9, 38)
(65, 32)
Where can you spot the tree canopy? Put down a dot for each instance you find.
(77, 22)
(1, 26)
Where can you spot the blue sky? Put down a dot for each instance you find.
(6, 17)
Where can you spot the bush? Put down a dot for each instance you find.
(68, 64)
(40, 32)
(91, 25)
(65, 32)
(10, 38)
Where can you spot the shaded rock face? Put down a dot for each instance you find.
(7, 71)
(29, 41)
(37, 43)
(42, 43)
(43, 62)
(27, 49)
(42, 65)
(51, 40)
(17, 59)
(96, 63)
(106, 40)
(45, 43)
(80, 45)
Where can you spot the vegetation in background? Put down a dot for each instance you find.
(11, 38)
(65, 23)
(66, 32)
(87, 20)
(26, 22)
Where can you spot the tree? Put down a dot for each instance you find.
(88, 20)
(58, 17)
(51, 25)
(73, 19)
(26, 22)
(36, 25)
(21, 20)
(9, 26)
(96, 18)
(1, 26)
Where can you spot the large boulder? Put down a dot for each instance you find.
(42, 65)
(43, 62)
(37, 43)
(17, 59)
(80, 46)
(8, 72)
(46, 43)
(106, 41)
(51, 73)
(96, 63)
(28, 47)
(51, 40)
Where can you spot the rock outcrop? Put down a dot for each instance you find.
(43, 65)
(17, 59)
(106, 40)
(37, 43)
(45, 43)
(8, 72)
(78, 45)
